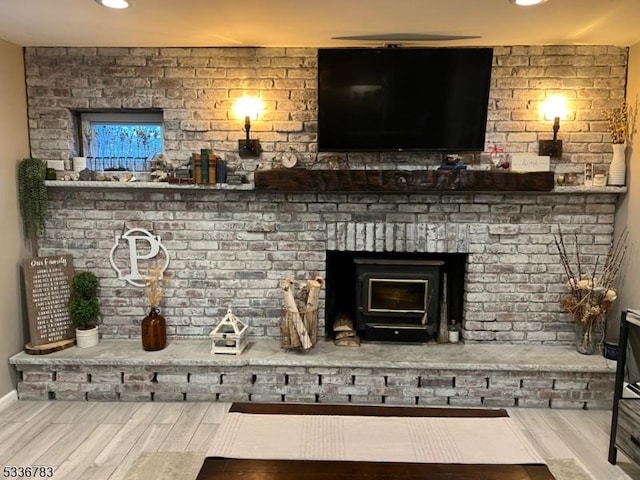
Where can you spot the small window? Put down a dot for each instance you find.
(121, 141)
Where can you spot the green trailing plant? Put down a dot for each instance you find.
(32, 196)
(84, 307)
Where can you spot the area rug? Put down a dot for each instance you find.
(166, 466)
(370, 439)
(185, 466)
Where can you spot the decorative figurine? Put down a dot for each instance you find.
(229, 336)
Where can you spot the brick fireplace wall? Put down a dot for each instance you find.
(233, 248)
(195, 88)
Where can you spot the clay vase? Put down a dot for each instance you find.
(154, 331)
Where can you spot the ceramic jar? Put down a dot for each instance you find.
(618, 166)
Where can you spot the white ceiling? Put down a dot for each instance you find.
(313, 23)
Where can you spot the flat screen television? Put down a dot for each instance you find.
(397, 99)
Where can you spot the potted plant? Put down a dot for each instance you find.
(84, 308)
(32, 197)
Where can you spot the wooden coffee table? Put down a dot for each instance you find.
(216, 468)
(219, 468)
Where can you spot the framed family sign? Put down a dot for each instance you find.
(47, 282)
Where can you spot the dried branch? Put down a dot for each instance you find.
(564, 259)
(154, 285)
(591, 294)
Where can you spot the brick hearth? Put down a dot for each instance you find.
(432, 374)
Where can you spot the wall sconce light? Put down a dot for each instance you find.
(247, 108)
(527, 3)
(553, 108)
(118, 4)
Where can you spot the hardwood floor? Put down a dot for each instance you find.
(100, 441)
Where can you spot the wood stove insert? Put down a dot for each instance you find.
(397, 300)
(388, 292)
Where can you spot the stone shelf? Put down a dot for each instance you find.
(584, 189)
(163, 186)
(144, 185)
(265, 352)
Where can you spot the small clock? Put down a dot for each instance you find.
(288, 159)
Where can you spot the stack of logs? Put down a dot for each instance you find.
(299, 323)
(344, 333)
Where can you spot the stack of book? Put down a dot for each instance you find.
(208, 168)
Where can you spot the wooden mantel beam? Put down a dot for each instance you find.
(394, 181)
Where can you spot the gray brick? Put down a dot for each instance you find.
(411, 381)
(567, 404)
(233, 397)
(533, 403)
(71, 395)
(301, 390)
(366, 399)
(569, 385)
(529, 383)
(138, 377)
(433, 401)
(351, 390)
(265, 398)
(220, 226)
(333, 398)
(33, 395)
(498, 402)
(135, 397)
(106, 377)
(497, 382)
(172, 378)
(296, 379)
(465, 401)
(35, 377)
(102, 396)
(599, 404)
(388, 400)
(168, 397)
(168, 387)
(336, 379)
(463, 381)
(80, 377)
(213, 378)
(202, 397)
(445, 382)
(370, 380)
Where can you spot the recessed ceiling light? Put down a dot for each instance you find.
(120, 4)
(527, 3)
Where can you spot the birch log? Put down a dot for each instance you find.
(314, 287)
(293, 315)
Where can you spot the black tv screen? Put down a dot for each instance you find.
(394, 99)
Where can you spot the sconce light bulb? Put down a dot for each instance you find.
(247, 107)
(554, 107)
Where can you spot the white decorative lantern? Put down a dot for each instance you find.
(230, 336)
